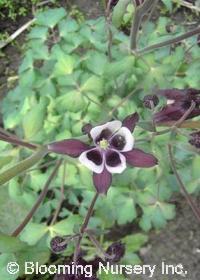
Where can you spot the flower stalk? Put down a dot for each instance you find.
(84, 227)
(39, 200)
(189, 199)
(22, 166)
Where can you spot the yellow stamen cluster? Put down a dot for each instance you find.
(103, 144)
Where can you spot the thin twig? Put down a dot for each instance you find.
(122, 102)
(109, 21)
(97, 244)
(140, 11)
(188, 5)
(18, 142)
(84, 226)
(16, 33)
(39, 200)
(170, 41)
(62, 196)
(189, 199)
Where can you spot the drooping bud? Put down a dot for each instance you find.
(117, 250)
(86, 129)
(58, 244)
(195, 139)
(150, 101)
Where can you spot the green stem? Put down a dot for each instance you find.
(84, 226)
(183, 189)
(22, 166)
(39, 200)
(170, 41)
(139, 13)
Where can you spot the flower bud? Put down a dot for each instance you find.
(117, 250)
(58, 244)
(150, 101)
(195, 139)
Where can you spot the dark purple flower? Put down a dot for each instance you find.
(117, 250)
(195, 139)
(150, 101)
(112, 149)
(58, 244)
(178, 103)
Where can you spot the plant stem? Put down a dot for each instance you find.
(62, 196)
(18, 142)
(170, 41)
(84, 226)
(23, 165)
(39, 200)
(189, 199)
(110, 36)
(140, 11)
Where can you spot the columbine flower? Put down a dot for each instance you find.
(111, 151)
(178, 102)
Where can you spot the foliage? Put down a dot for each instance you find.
(67, 80)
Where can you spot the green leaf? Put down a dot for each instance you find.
(10, 244)
(33, 233)
(115, 69)
(65, 226)
(72, 101)
(135, 241)
(38, 32)
(64, 66)
(50, 17)
(119, 11)
(93, 84)
(34, 119)
(11, 213)
(4, 260)
(125, 211)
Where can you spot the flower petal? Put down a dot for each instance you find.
(138, 158)
(102, 181)
(178, 94)
(93, 159)
(105, 131)
(122, 140)
(172, 94)
(130, 121)
(169, 113)
(70, 147)
(115, 161)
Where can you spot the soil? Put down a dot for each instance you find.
(179, 242)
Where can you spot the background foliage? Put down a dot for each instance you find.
(66, 80)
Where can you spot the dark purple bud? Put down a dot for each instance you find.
(195, 139)
(86, 129)
(150, 101)
(58, 244)
(117, 250)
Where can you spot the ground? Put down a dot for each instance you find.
(179, 242)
